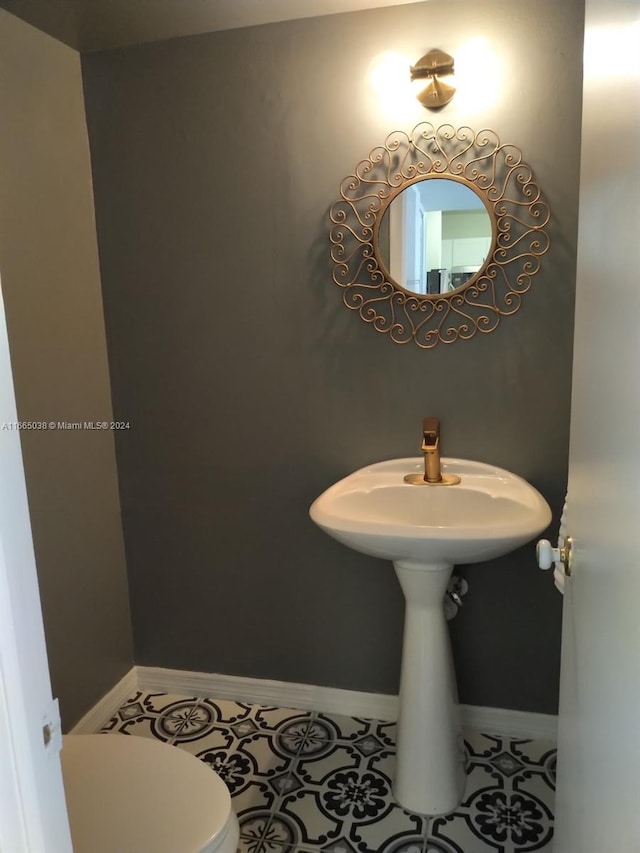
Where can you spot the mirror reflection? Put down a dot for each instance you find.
(434, 236)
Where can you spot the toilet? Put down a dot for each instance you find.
(135, 795)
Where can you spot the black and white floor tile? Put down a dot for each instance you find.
(305, 782)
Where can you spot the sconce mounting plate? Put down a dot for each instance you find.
(431, 67)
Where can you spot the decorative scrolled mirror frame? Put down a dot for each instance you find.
(519, 215)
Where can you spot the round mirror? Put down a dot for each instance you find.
(438, 234)
(435, 236)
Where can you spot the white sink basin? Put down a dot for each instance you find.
(489, 513)
(425, 530)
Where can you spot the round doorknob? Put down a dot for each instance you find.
(547, 555)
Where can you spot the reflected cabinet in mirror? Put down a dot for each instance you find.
(437, 234)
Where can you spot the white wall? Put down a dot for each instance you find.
(32, 807)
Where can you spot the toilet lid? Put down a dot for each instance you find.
(133, 794)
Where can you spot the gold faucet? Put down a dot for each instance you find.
(431, 450)
(433, 475)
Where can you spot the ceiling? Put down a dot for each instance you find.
(89, 25)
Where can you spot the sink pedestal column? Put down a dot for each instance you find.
(430, 773)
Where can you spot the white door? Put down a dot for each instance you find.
(598, 793)
(33, 816)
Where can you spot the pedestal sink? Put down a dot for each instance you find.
(425, 531)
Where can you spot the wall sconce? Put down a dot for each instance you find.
(431, 67)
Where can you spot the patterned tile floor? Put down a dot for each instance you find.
(306, 782)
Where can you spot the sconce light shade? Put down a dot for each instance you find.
(431, 67)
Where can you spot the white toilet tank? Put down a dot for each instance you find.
(133, 795)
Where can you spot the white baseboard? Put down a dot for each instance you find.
(525, 725)
(94, 719)
(305, 697)
(332, 700)
(284, 694)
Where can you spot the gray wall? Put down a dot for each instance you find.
(250, 388)
(51, 288)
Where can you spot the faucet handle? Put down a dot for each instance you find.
(431, 430)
